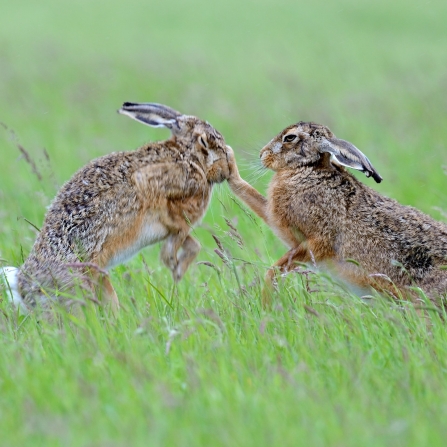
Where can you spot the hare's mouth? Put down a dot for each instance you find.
(265, 154)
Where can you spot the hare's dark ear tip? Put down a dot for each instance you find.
(373, 174)
(376, 177)
(128, 104)
(125, 106)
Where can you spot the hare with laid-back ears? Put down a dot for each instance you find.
(324, 214)
(120, 203)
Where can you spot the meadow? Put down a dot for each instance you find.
(203, 363)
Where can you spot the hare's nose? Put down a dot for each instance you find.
(263, 154)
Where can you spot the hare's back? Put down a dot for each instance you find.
(395, 232)
(99, 190)
(400, 222)
(94, 203)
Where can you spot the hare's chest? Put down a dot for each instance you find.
(284, 205)
(191, 209)
(302, 210)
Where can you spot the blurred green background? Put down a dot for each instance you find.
(375, 72)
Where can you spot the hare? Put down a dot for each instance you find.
(324, 214)
(120, 203)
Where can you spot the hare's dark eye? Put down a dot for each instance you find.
(289, 138)
(203, 142)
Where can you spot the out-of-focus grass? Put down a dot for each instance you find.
(322, 368)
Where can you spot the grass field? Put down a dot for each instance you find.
(203, 364)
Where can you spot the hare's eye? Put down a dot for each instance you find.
(203, 142)
(289, 138)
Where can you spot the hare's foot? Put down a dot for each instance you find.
(105, 292)
(190, 250)
(169, 251)
(282, 265)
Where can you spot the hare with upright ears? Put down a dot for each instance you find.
(122, 202)
(323, 213)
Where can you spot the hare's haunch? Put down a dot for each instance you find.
(120, 203)
(321, 211)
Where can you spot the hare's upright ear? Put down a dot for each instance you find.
(152, 114)
(346, 154)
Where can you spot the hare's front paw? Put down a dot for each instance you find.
(169, 257)
(232, 166)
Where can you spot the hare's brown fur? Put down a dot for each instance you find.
(320, 210)
(122, 202)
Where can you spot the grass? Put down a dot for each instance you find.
(204, 364)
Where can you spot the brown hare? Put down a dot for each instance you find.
(120, 203)
(324, 214)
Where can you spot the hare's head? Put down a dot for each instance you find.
(189, 133)
(303, 144)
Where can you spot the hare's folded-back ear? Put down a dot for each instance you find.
(152, 114)
(346, 154)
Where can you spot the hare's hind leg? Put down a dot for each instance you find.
(109, 294)
(282, 265)
(105, 292)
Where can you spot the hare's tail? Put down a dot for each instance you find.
(9, 276)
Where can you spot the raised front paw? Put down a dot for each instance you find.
(169, 258)
(232, 166)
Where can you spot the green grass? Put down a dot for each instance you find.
(204, 364)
